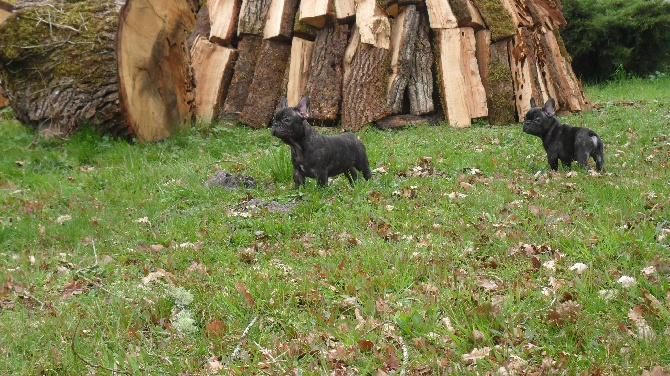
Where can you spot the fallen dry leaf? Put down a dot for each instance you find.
(476, 354)
(627, 281)
(579, 268)
(242, 289)
(215, 328)
(159, 273)
(644, 331)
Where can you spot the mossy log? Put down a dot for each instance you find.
(58, 68)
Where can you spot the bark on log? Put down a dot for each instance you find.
(475, 93)
(202, 27)
(496, 76)
(324, 84)
(420, 86)
(547, 13)
(521, 74)
(497, 18)
(366, 72)
(5, 11)
(213, 69)
(59, 75)
(247, 56)
(265, 92)
(403, 44)
(155, 78)
(279, 24)
(253, 14)
(316, 12)
(301, 56)
(223, 15)
(303, 30)
(373, 24)
(451, 80)
(399, 121)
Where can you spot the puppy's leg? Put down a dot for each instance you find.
(599, 155)
(365, 169)
(322, 179)
(583, 159)
(298, 178)
(553, 162)
(351, 175)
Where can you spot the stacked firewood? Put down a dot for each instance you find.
(364, 61)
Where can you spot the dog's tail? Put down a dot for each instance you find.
(599, 153)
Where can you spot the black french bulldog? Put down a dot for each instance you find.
(315, 155)
(562, 141)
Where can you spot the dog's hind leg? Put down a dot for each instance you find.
(351, 175)
(599, 155)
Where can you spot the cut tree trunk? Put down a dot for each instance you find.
(213, 69)
(373, 24)
(247, 56)
(475, 93)
(265, 92)
(60, 75)
(365, 83)
(399, 121)
(324, 84)
(451, 79)
(253, 14)
(155, 79)
(420, 86)
(223, 15)
(279, 25)
(403, 44)
(316, 12)
(496, 76)
(5, 11)
(301, 56)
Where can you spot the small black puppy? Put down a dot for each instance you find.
(562, 141)
(315, 155)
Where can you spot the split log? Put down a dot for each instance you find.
(373, 24)
(324, 84)
(155, 79)
(279, 24)
(497, 18)
(253, 14)
(420, 86)
(223, 15)
(547, 13)
(345, 10)
(303, 30)
(213, 69)
(62, 76)
(440, 14)
(394, 7)
(524, 73)
(247, 56)
(316, 12)
(301, 56)
(265, 91)
(202, 27)
(366, 72)
(403, 44)
(5, 11)
(496, 76)
(475, 93)
(451, 80)
(399, 121)
(466, 14)
(519, 12)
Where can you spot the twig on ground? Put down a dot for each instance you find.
(242, 338)
(95, 265)
(98, 366)
(267, 353)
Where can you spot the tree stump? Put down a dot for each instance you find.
(155, 79)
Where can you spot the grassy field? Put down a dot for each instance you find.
(463, 254)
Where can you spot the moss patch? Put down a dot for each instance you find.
(501, 104)
(497, 18)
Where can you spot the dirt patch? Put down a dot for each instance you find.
(225, 179)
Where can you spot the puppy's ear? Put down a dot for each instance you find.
(532, 102)
(283, 103)
(550, 107)
(303, 106)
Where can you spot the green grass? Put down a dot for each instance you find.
(462, 240)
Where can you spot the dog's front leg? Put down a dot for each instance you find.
(298, 177)
(553, 162)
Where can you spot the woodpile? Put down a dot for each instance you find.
(143, 68)
(364, 61)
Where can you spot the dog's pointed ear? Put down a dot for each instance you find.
(283, 103)
(532, 102)
(303, 106)
(550, 107)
